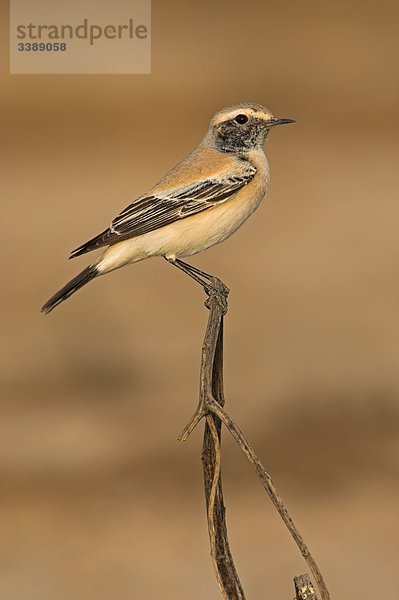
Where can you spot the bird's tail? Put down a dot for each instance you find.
(70, 288)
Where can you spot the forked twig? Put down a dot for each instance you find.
(211, 406)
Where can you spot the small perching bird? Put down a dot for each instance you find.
(199, 203)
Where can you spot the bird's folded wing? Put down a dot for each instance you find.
(151, 212)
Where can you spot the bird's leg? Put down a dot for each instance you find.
(195, 270)
(191, 272)
(204, 279)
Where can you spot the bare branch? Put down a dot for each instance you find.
(222, 559)
(304, 589)
(268, 484)
(211, 406)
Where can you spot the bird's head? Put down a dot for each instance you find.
(242, 127)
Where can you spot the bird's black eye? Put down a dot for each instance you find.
(241, 119)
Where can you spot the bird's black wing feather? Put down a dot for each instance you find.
(148, 213)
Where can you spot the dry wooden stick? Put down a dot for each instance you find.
(304, 589)
(211, 402)
(222, 559)
(268, 484)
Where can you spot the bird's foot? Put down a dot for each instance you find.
(217, 291)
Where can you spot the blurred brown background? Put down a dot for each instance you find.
(99, 499)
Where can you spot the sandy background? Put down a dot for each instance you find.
(99, 500)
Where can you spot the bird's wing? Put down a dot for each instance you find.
(151, 212)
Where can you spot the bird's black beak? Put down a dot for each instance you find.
(274, 121)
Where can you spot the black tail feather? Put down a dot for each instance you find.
(70, 288)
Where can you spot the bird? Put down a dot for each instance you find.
(200, 202)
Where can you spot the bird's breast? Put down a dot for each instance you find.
(214, 225)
